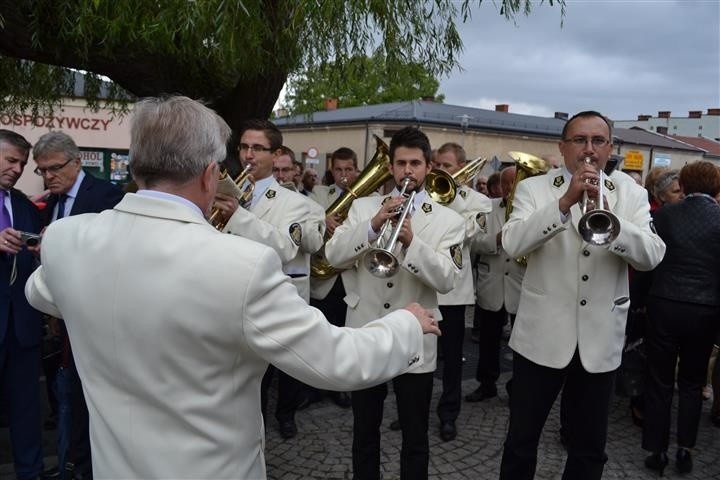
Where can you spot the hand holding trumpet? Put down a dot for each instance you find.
(586, 178)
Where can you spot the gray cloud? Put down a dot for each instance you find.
(623, 58)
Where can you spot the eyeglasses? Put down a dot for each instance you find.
(284, 169)
(254, 148)
(51, 168)
(596, 142)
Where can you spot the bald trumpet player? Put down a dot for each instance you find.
(429, 261)
(570, 325)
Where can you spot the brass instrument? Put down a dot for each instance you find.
(241, 188)
(526, 166)
(442, 187)
(372, 177)
(598, 226)
(381, 261)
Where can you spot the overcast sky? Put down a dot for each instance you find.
(622, 58)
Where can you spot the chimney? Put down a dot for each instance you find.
(428, 98)
(695, 114)
(502, 107)
(561, 115)
(665, 114)
(662, 130)
(331, 104)
(713, 111)
(644, 118)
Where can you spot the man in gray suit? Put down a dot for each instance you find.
(174, 323)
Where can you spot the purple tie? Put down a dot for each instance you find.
(5, 221)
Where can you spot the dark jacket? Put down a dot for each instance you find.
(690, 271)
(94, 196)
(14, 307)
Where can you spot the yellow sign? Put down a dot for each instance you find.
(633, 160)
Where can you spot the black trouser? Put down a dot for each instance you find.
(491, 328)
(288, 397)
(333, 306)
(452, 327)
(412, 394)
(676, 329)
(587, 400)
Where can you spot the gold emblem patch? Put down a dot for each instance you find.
(426, 207)
(463, 193)
(481, 220)
(296, 233)
(558, 182)
(456, 254)
(270, 194)
(609, 185)
(332, 190)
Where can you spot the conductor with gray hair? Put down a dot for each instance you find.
(173, 323)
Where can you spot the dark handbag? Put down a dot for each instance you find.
(631, 375)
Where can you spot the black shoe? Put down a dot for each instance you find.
(50, 473)
(479, 395)
(657, 462)
(341, 399)
(683, 460)
(395, 425)
(448, 431)
(288, 429)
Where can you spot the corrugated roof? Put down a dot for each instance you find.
(430, 113)
(639, 136)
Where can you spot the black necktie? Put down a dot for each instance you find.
(61, 206)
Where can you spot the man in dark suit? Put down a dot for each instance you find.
(72, 192)
(20, 324)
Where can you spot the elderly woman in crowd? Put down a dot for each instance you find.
(667, 188)
(684, 313)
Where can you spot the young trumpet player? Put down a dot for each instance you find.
(429, 259)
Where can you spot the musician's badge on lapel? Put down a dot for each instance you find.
(270, 193)
(332, 191)
(481, 220)
(296, 233)
(652, 227)
(609, 185)
(463, 193)
(426, 207)
(456, 254)
(559, 181)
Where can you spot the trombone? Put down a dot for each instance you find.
(241, 188)
(597, 226)
(381, 261)
(442, 187)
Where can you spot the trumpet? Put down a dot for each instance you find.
(442, 187)
(381, 261)
(241, 188)
(597, 226)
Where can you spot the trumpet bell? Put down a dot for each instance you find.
(440, 186)
(599, 227)
(381, 263)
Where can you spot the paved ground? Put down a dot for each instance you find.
(322, 449)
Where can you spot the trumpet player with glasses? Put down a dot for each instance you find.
(397, 248)
(273, 216)
(579, 229)
(472, 206)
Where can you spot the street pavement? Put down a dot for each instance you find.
(322, 449)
